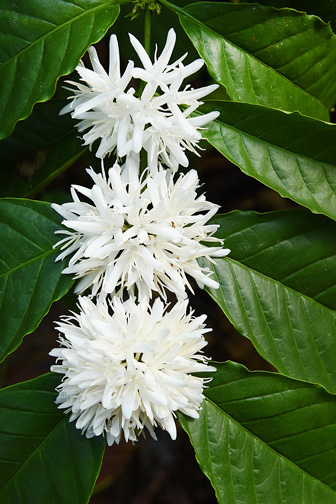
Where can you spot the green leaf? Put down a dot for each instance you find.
(60, 157)
(292, 331)
(293, 247)
(262, 437)
(294, 418)
(41, 129)
(30, 280)
(44, 130)
(43, 458)
(38, 44)
(292, 154)
(263, 55)
(325, 9)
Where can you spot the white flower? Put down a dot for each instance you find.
(130, 370)
(142, 234)
(110, 110)
(103, 105)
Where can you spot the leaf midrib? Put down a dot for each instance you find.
(58, 27)
(283, 286)
(35, 451)
(230, 418)
(30, 261)
(221, 406)
(243, 227)
(276, 146)
(278, 74)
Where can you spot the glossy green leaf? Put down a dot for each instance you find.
(292, 331)
(30, 280)
(325, 9)
(292, 154)
(264, 55)
(294, 247)
(39, 43)
(43, 458)
(262, 437)
(44, 130)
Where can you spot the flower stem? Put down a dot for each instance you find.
(147, 46)
(146, 41)
(147, 30)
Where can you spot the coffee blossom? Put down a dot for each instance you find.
(157, 120)
(139, 233)
(129, 369)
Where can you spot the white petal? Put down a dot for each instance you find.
(114, 66)
(168, 48)
(145, 59)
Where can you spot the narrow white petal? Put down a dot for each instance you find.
(145, 59)
(168, 48)
(114, 65)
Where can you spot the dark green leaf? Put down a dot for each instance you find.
(59, 157)
(44, 130)
(292, 154)
(39, 43)
(296, 419)
(40, 130)
(292, 331)
(264, 55)
(30, 280)
(43, 458)
(262, 437)
(294, 247)
(325, 9)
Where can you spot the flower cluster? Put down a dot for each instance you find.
(141, 236)
(108, 107)
(127, 361)
(132, 369)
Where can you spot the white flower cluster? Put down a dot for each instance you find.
(108, 107)
(127, 361)
(131, 369)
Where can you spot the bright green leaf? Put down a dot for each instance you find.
(262, 437)
(292, 331)
(294, 247)
(264, 55)
(39, 43)
(325, 9)
(30, 280)
(43, 458)
(292, 154)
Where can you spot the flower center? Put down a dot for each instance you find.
(137, 356)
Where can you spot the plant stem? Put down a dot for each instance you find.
(147, 30)
(175, 8)
(147, 46)
(146, 42)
